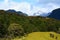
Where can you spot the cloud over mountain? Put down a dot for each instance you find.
(30, 7)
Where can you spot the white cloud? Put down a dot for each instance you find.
(27, 7)
(52, 6)
(6, 1)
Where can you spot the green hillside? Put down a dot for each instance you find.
(40, 36)
(13, 24)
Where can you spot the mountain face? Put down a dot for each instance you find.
(41, 13)
(55, 14)
(17, 12)
(37, 13)
(10, 10)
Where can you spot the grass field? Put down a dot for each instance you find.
(40, 36)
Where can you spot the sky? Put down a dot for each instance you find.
(30, 6)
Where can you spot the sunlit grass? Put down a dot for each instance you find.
(42, 36)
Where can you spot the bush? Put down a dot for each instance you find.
(16, 30)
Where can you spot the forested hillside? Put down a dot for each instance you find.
(13, 24)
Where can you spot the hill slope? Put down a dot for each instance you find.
(42, 36)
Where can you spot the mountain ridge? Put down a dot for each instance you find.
(55, 14)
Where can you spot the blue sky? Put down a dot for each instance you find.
(30, 6)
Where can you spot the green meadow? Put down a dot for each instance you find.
(40, 36)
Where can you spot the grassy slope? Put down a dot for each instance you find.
(40, 36)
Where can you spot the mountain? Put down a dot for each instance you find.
(21, 13)
(41, 13)
(55, 14)
(17, 12)
(37, 13)
(11, 10)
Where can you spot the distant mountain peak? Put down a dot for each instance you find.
(11, 10)
(41, 13)
(17, 12)
(37, 13)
